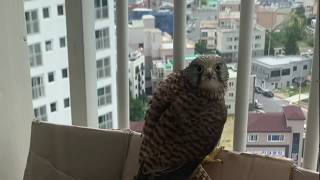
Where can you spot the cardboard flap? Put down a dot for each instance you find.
(237, 166)
(67, 152)
(131, 165)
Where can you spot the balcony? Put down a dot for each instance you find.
(16, 92)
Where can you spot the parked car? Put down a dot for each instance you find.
(268, 93)
(258, 90)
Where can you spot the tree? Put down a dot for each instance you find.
(137, 109)
(200, 47)
(291, 47)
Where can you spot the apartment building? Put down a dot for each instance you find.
(277, 134)
(136, 74)
(156, 45)
(48, 57)
(281, 72)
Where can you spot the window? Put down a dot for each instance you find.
(234, 47)
(229, 47)
(294, 68)
(285, 72)
(32, 22)
(229, 39)
(45, 13)
(257, 45)
(231, 84)
(305, 67)
(104, 96)
(64, 73)
(275, 73)
(236, 39)
(230, 94)
(101, 8)
(37, 87)
(103, 68)
(48, 45)
(60, 10)
(66, 102)
(102, 38)
(204, 34)
(257, 37)
(62, 41)
(252, 138)
(105, 121)
(51, 77)
(228, 106)
(53, 107)
(275, 138)
(40, 113)
(34, 55)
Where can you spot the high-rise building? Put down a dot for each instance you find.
(48, 57)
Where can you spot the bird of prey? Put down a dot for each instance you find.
(184, 121)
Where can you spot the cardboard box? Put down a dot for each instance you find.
(67, 153)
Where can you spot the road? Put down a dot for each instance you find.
(274, 104)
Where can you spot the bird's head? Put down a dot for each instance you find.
(208, 75)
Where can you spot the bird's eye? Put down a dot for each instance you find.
(199, 69)
(218, 67)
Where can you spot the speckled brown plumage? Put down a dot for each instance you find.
(182, 126)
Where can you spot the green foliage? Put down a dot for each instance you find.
(137, 108)
(201, 48)
(291, 47)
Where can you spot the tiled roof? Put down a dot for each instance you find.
(293, 113)
(267, 122)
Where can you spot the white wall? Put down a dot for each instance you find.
(15, 92)
(51, 28)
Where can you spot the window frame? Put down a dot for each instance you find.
(38, 87)
(272, 135)
(58, 6)
(43, 12)
(38, 113)
(32, 24)
(101, 10)
(254, 139)
(35, 58)
(104, 98)
(105, 70)
(102, 38)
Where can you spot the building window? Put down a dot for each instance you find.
(305, 67)
(53, 107)
(102, 38)
(62, 41)
(32, 22)
(231, 84)
(35, 56)
(253, 138)
(230, 94)
(37, 87)
(60, 10)
(51, 77)
(236, 39)
(204, 34)
(275, 138)
(230, 47)
(257, 37)
(257, 45)
(294, 68)
(103, 68)
(66, 102)
(275, 73)
(48, 45)
(64, 72)
(229, 39)
(40, 113)
(45, 13)
(285, 72)
(104, 96)
(101, 8)
(105, 121)
(228, 106)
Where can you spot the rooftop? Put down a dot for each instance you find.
(274, 121)
(293, 113)
(280, 60)
(267, 122)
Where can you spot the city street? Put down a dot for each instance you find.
(274, 104)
